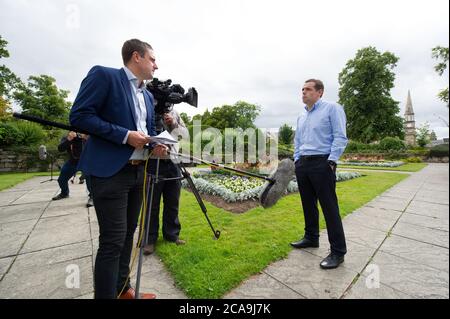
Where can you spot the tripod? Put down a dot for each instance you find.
(52, 161)
(152, 180)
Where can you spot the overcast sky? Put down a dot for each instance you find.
(253, 50)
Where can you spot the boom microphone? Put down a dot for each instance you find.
(42, 152)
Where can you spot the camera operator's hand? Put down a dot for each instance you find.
(160, 150)
(137, 139)
(71, 135)
(168, 119)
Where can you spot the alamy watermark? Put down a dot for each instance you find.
(73, 277)
(256, 147)
(72, 16)
(373, 277)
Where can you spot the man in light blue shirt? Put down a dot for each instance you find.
(320, 140)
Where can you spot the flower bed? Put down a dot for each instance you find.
(239, 188)
(373, 164)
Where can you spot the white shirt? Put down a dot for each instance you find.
(140, 110)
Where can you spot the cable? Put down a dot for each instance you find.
(141, 226)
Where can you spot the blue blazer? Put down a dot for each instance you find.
(104, 107)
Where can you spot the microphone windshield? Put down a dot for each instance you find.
(42, 152)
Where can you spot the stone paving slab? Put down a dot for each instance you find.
(15, 213)
(262, 286)
(417, 280)
(4, 265)
(301, 272)
(422, 234)
(48, 282)
(427, 254)
(388, 202)
(13, 235)
(363, 289)
(7, 198)
(363, 235)
(426, 221)
(58, 231)
(156, 279)
(428, 209)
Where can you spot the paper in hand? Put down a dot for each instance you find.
(163, 138)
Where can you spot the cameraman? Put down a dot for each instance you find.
(73, 145)
(169, 190)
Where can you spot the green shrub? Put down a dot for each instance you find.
(392, 144)
(20, 133)
(9, 134)
(439, 151)
(414, 159)
(30, 133)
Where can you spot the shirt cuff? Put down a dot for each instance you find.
(126, 138)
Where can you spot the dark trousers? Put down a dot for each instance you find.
(88, 184)
(67, 171)
(117, 202)
(170, 192)
(317, 182)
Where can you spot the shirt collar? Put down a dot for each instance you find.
(132, 78)
(316, 105)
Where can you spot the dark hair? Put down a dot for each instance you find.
(134, 45)
(318, 85)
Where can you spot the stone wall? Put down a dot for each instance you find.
(11, 161)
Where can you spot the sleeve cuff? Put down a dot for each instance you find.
(126, 138)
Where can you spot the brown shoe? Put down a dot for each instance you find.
(180, 242)
(149, 249)
(131, 294)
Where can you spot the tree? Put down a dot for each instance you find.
(365, 83)
(8, 80)
(441, 53)
(423, 134)
(42, 98)
(186, 119)
(5, 109)
(286, 134)
(239, 115)
(433, 136)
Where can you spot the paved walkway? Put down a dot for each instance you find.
(398, 248)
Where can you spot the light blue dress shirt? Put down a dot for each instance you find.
(321, 131)
(140, 110)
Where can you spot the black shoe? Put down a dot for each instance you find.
(305, 243)
(60, 196)
(149, 249)
(90, 202)
(333, 260)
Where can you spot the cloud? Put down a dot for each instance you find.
(258, 51)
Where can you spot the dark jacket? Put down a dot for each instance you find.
(73, 148)
(104, 107)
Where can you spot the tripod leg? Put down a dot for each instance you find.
(199, 199)
(152, 182)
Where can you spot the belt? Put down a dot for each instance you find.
(136, 162)
(313, 157)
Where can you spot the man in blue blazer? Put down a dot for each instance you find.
(115, 107)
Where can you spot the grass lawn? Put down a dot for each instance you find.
(410, 167)
(8, 180)
(207, 268)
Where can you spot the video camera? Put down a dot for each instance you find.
(166, 95)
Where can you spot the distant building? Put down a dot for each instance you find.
(410, 122)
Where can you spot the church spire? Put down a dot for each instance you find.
(409, 109)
